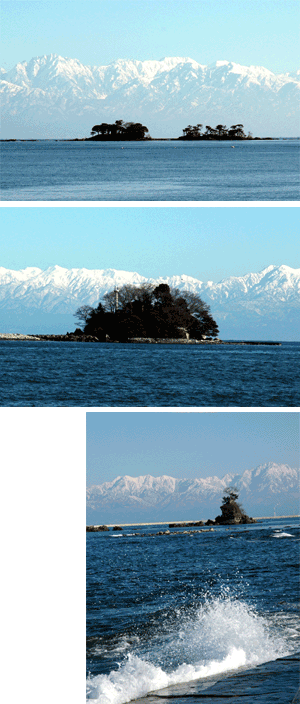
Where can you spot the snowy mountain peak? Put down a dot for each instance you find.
(135, 277)
(262, 305)
(166, 95)
(166, 498)
(268, 269)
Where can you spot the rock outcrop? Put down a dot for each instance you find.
(232, 514)
(96, 529)
(184, 524)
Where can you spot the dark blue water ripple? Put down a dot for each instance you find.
(85, 374)
(182, 598)
(154, 171)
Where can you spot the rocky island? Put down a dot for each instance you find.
(232, 514)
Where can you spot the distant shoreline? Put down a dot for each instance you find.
(181, 138)
(150, 139)
(70, 337)
(164, 523)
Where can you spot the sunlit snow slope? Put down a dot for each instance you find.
(145, 498)
(54, 97)
(263, 305)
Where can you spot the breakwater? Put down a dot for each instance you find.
(138, 534)
(183, 524)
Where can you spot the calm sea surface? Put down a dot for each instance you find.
(189, 171)
(99, 374)
(164, 610)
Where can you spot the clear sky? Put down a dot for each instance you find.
(187, 445)
(206, 243)
(97, 32)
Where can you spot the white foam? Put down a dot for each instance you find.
(225, 635)
(282, 535)
(118, 535)
(137, 678)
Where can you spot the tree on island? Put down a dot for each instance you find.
(221, 130)
(148, 311)
(119, 131)
(232, 511)
(230, 494)
(237, 131)
(193, 132)
(218, 132)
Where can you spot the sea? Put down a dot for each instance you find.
(102, 374)
(212, 616)
(50, 170)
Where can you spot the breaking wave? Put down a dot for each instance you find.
(277, 534)
(223, 635)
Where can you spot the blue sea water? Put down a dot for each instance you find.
(101, 374)
(150, 171)
(169, 609)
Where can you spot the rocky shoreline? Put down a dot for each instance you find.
(189, 528)
(105, 529)
(275, 681)
(232, 514)
(179, 524)
(71, 337)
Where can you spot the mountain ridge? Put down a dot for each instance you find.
(262, 488)
(59, 97)
(261, 303)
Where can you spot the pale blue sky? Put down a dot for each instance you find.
(207, 243)
(187, 444)
(97, 32)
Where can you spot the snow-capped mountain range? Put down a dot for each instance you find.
(264, 305)
(261, 490)
(57, 97)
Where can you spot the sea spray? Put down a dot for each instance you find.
(223, 635)
(137, 678)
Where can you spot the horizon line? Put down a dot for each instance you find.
(163, 523)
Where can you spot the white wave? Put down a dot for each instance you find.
(282, 535)
(137, 678)
(118, 535)
(225, 635)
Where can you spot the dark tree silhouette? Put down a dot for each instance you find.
(82, 314)
(148, 311)
(135, 130)
(221, 130)
(119, 131)
(231, 493)
(218, 132)
(237, 131)
(192, 131)
(102, 129)
(210, 131)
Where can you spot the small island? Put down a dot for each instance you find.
(120, 131)
(145, 314)
(148, 312)
(220, 132)
(232, 514)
